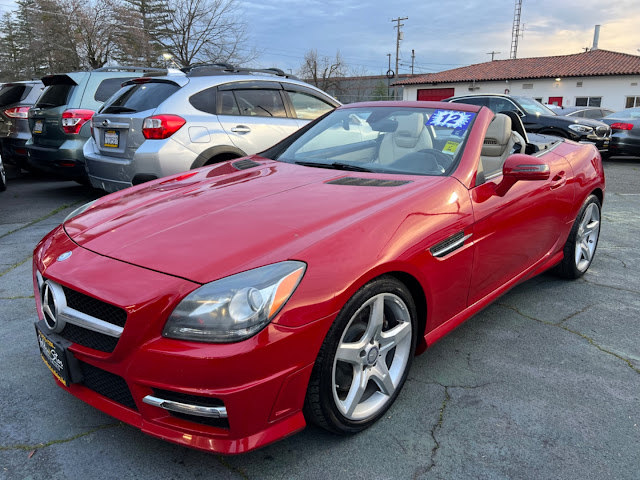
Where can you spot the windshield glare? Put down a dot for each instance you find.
(533, 107)
(417, 141)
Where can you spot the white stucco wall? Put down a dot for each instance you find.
(614, 90)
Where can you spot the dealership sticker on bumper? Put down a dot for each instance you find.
(55, 356)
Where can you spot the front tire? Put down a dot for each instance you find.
(583, 240)
(365, 358)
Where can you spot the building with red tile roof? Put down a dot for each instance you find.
(597, 77)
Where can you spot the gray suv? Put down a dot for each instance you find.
(16, 99)
(59, 120)
(160, 126)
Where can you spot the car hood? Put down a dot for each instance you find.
(216, 221)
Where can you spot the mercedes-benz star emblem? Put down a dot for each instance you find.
(64, 256)
(51, 306)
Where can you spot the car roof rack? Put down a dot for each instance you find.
(207, 69)
(129, 68)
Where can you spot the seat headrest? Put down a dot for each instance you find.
(497, 136)
(409, 129)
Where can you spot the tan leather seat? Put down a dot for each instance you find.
(410, 136)
(499, 142)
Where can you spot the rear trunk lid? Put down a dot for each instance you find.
(45, 117)
(117, 127)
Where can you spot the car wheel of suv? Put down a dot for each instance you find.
(3, 177)
(365, 358)
(583, 240)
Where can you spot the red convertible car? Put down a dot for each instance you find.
(226, 307)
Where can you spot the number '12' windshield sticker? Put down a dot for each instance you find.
(451, 119)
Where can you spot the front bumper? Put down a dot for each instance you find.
(64, 161)
(260, 383)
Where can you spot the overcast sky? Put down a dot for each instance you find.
(444, 34)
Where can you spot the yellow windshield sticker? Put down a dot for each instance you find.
(451, 147)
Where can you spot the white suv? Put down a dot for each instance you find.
(159, 126)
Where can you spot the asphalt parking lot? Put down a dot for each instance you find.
(543, 384)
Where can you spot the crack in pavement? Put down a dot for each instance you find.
(44, 217)
(636, 292)
(16, 265)
(223, 461)
(39, 446)
(579, 334)
(608, 255)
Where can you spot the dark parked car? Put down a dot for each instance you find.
(16, 99)
(595, 113)
(539, 119)
(625, 132)
(59, 121)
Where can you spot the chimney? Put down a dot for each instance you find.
(596, 35)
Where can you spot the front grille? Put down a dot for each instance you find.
(193, 400)
(94, 307)
(367, 182)
(89, 338)
(107, 384)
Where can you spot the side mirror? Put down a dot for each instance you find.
(525, 167)
(520, 167)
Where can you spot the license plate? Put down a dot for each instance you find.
(54, 356)
(37, 128)
(112, 138)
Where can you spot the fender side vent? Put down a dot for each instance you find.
(244, 164)
(448, 245)
(367, 182)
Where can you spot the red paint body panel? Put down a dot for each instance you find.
(144, 249)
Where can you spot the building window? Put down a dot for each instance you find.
(578, 84)
(527, 86)
(632, 102)
(588, 101)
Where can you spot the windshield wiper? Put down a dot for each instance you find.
(336, 166)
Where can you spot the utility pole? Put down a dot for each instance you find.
(413, 59)
(388, 77)
(398, 38)
(493, 53)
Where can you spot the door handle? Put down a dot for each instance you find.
(559, 180)
(240, 129)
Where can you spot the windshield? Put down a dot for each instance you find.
(533, 107)
(417, 141)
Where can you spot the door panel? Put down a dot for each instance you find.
(516, 230)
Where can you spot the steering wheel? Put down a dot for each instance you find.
(427, 161)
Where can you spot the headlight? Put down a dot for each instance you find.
(236, 307)
(79, 210)
(580, 128)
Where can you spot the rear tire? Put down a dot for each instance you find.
(583, 240)
(3, 176)
(365, 358)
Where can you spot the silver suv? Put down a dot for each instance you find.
(159, 126)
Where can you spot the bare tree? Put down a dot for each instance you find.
(205, 31)
(95, 27)
(323, 72)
